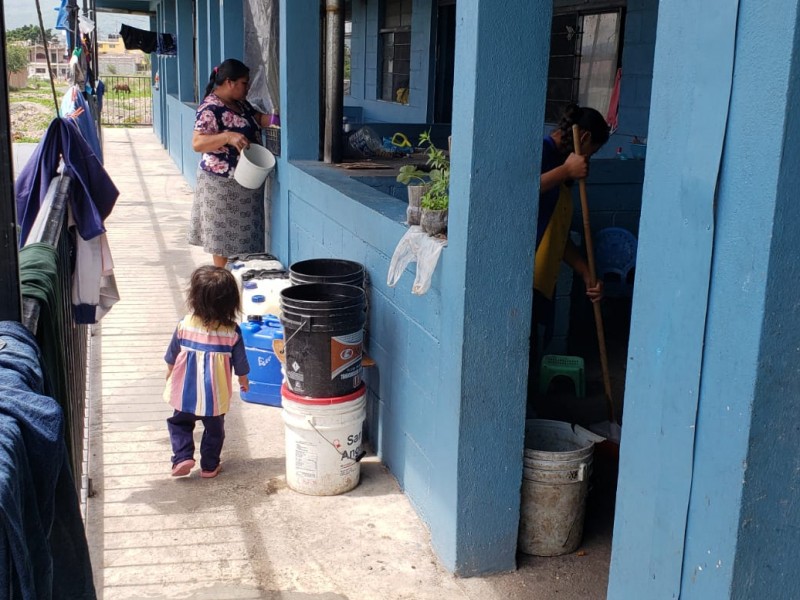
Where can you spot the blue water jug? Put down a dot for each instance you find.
(265, 368)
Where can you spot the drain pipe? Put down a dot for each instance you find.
(334, 80)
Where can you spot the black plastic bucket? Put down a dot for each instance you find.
(324, 331)
(327, 270)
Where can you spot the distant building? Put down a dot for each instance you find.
(114, 59)
(112, 45)
(59, 60)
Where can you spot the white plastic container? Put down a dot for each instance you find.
(323, 442)
(255, 163)
(262, 296)
(241, 266)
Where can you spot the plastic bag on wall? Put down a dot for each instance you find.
(261, 53)
(416, 246)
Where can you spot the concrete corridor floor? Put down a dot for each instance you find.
(243, 535)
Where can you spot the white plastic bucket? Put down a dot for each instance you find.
(555, 481)
(323, 442)
(255, 163)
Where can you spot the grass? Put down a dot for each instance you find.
(119, 109)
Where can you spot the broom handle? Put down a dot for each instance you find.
(598, 315)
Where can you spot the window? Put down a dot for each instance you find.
(395, 42)
(584, 57)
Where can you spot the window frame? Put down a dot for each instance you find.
(552, 114)
(385, 31)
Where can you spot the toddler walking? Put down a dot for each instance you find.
(204, 347)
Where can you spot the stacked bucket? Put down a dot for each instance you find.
(323, 314)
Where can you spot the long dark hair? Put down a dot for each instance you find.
(587, 119)
(230, 68)
(213, 296)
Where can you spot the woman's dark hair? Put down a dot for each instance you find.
(587, 119)
(229, 68)
(213, 296)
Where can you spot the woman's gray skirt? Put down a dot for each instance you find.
(227, 219)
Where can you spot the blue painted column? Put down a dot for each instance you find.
(743, 543)
(186, 67)
(299, 104)
(214, 36)
(231, 15)
(169, 77)
(202, 68)
(487, 270)
(709, 490)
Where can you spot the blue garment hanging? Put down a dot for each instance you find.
(42, 537)
(93, 192)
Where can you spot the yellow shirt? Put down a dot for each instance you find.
(550, 253)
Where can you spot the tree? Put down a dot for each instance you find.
(29, 33)
(16, 58)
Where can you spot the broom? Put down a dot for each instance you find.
(611, 430)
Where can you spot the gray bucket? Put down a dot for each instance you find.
(555, 481)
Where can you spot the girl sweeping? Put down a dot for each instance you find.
(204, 347)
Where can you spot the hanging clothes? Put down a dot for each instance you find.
(138, 39)
(93, 192)
(167, 45)
(612, 117)
(42, 539)
(74, 105)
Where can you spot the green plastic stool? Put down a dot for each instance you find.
(554, 365)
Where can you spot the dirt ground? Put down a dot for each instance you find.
(31, 110)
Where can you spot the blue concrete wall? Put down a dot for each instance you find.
(708, 497)
(186, 66)
(740, 544)
(231, 19)
(438, 420)
(691, 88)
(365, 64)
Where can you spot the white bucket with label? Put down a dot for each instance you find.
(255, 163)
(323, 441)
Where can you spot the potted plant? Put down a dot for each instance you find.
(436, 200)
(417, 185)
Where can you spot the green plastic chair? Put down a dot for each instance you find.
(554, 365)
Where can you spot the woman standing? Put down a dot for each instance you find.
(227, 218)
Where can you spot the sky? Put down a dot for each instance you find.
(23, 12)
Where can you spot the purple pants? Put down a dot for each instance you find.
(181, 428)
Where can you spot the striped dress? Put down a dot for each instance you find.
(200, 382)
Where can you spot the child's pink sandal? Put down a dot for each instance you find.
(210, 474)
(183, 468)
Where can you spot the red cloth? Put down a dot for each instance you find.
(613, 104)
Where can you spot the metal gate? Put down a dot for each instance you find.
(127, 101)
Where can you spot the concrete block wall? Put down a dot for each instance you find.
(332, 215)
(614, 192)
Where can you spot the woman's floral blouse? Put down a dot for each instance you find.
(214, 117)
